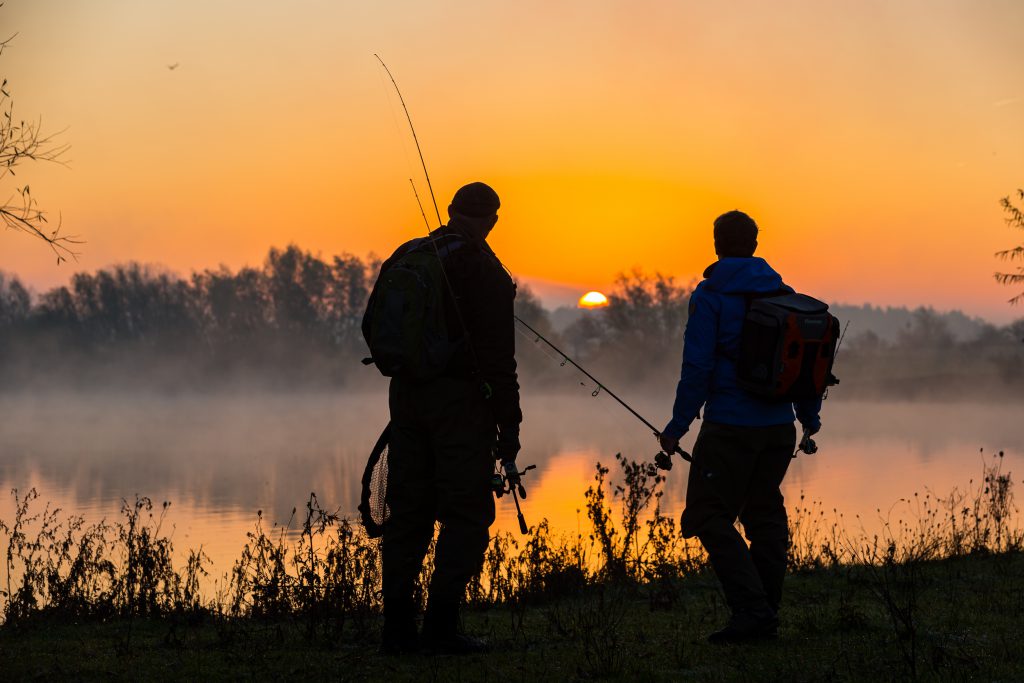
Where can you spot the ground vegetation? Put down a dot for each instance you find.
(935, 595)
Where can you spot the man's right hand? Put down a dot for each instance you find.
(507, 447)
(807, 444)
(512, 474)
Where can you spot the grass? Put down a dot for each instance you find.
(833, 628)
(935, 596)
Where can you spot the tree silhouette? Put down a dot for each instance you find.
(639, 333)
(648, 309)
(15, 302)
(1015, 219)
(294, 320)
(22, 141)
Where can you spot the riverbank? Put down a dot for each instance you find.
(955, 619)
(937, 593)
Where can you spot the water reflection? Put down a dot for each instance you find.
(219, 459)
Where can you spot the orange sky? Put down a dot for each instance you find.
(871, 140)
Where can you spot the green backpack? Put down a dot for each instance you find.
(407, 331)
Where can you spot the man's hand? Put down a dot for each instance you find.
(807, 444)
(512, 475)
(507, 447)
(668, 444)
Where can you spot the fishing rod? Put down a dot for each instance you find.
(663, 459)
(415, 138)
(420, 204)
(437, 251)
(507, 478)
(835, 356)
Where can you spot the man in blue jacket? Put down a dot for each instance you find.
(745, 443)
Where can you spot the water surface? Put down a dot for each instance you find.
(220, 458)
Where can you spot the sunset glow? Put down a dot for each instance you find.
(593, 300)
(864, 138)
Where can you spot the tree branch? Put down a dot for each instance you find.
(1015, 219)
(28, 218)
(22, 141)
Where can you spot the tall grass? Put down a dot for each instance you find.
(321, 571)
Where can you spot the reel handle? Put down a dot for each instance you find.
(663, 460)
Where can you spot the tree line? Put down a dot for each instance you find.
(296, 317)
(295, 320)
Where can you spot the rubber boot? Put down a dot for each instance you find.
(398, 637)
(748, 625)
(441, 632)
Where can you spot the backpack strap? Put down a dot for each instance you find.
(450, 245)
(445, 244)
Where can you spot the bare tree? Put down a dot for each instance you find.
(22, 141)
(1015, 219)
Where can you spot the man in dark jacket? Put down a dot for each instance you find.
(446, 433)
(745, 443)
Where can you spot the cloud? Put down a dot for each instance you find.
(1007, 102)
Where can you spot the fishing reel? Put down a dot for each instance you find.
(807, 444)
(509, 482)
(663, 460)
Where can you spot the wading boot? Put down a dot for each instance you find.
(441, 633)
(455, 644)
(746, 626)
(398, 636)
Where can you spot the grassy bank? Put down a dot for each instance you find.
(965, 615)
(937, 594)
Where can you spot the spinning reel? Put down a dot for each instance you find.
(508, 479)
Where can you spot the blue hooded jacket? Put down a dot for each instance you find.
(711, 342)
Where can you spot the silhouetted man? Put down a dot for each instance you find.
(446, 433)
(745, 443)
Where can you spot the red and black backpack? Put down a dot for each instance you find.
(787, 347)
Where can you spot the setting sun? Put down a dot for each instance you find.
(593, 300)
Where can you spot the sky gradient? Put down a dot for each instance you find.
(870, 140)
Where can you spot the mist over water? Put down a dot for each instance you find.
(219, 458)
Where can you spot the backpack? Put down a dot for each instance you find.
(787, 346)
(407, 330)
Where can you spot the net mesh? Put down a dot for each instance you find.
(378, 487)
(373, 506)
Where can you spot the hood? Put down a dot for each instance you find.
(733, 275)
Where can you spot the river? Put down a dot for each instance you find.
(219, 459)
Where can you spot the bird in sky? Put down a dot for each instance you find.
(174, 66)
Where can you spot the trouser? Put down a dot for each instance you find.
(736, 472)
(439, 468)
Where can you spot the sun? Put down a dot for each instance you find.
(593, 300)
